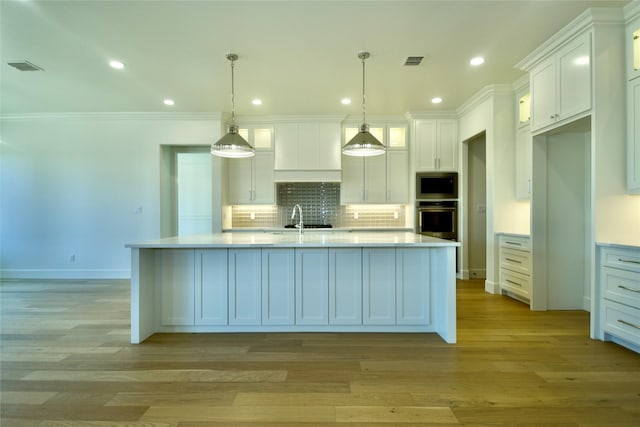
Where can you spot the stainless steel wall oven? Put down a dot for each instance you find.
(437, 218)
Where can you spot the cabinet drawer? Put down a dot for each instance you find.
(518, 261)
(521, 243)
(625, 258)
(621, 285)
(515, 282)
(621, 321)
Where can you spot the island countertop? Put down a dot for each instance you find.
(292, 239)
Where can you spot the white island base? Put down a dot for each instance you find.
(284, 282)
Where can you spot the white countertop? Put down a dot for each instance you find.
(288, 239)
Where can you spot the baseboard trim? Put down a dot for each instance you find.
(492, 287)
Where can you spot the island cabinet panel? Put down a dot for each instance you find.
(379, 286)
(175, 272)
(312, 286)
(278, 275)
(412, 286)
(245, 287)
(345, 286)
(211, 295)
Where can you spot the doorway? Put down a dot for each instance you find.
(477, 206)
(186, 190)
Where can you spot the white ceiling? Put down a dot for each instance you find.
(299, 57)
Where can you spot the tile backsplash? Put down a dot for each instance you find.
(320, 202)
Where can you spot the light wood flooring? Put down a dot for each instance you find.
(66, 361)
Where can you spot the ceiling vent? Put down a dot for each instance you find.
(413, 60)
(25, 66)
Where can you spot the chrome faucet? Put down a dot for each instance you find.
(300, 224)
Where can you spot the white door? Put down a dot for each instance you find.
(194, 193)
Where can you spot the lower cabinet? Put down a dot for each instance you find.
(282, 287)
(514, 254)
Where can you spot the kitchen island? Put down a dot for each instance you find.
(320, 281)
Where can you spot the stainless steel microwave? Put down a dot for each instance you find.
(436, 185)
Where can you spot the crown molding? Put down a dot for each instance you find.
(113, 116)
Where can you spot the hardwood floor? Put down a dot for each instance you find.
(66, 361)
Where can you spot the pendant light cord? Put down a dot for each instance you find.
(364, 119)
(233, 97)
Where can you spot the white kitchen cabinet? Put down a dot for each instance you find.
(514, 257)
(312, 286)
(250, 180)
(561, 85)
(245, 286)
(175, 272)
(632, 41)
(412, 291)
(278, 278)
(523, 162)
(211, 294)
(633, 136)
(345, 286)
(436, 145)
(377, 179)
(379, 286)
(618, 288)
(313, 145)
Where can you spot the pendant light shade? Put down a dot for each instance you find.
(363, 144)
(232, 145)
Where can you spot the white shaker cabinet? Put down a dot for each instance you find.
(211, 292)
(633, 101)
(397, 176)
(436, 145)
(514, 256)
(245, 286)
(523, 162)
(312, 286)
(345, 286)
(175, 273)
(412, 290)
(364, 180)
(561, 85)
(278, 276)
(379, 286)
(312, 145)
(250, 180)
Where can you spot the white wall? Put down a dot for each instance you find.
(76, 188)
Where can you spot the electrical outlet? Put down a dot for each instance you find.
(355, 215)
(395, 215)
(252, 215)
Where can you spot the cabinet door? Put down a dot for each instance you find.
(426, 151)
(633, 136)
(263, 186)
(211, 287)
(375, 178)
(447, 137)
(412, 286)
(523, 163)
(312, 286)
(352, 186)
(574, 74)
(286, 150)
(329, 150)
(379, 286)
(245, 290)
(239, 182)
(177, 283)
(397, 176)
(278, 277)
(345, 286)
(543, 94)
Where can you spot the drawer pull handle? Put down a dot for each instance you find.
(632, 261)
(513, 243)
(633, 325)
(513, 283)
(626, 288)
(514, 260)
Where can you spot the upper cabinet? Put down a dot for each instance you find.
(378, 179)
(561, 85)
(308, 151)
(633, 99)
(436, 145)
(523, 139)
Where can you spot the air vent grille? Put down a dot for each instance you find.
(413, 60)
(25, 66)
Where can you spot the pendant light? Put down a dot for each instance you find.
(363, 144)
(232, 145)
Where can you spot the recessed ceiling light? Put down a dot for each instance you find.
(257, 101)
(436, 100)
(345, 101)
(116, 64)
(478, 60)
(169, 102)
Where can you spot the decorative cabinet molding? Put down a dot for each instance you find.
(436, 145)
